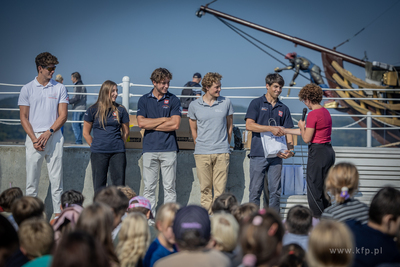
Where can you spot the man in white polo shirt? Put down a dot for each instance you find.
(211, 118)
(43, 105)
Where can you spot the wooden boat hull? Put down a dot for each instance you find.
(338, 78)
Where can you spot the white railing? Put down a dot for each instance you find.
(126, 95)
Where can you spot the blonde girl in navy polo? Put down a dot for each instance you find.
(107, 118)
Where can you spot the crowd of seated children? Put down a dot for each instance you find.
(189, 236)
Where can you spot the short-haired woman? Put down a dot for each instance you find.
(321, 155)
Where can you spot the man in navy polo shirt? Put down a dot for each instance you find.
(159, 113)
(268, 114)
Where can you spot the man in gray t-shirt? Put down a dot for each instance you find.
(211, 118)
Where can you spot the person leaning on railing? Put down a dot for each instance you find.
(321, 155)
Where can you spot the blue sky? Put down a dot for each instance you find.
(110, 39)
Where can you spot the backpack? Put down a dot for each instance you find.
(185, 101)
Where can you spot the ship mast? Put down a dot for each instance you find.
(295, 40)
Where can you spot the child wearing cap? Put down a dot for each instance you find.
(164, 244)
(192, 230)
(142, 205)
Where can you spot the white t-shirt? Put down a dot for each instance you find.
(43, 103)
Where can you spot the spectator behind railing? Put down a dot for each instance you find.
(78, 102)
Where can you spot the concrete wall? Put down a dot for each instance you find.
(377, 167)
(78, 176)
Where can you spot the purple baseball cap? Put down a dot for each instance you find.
(192, 217)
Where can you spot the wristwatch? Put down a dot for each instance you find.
(51, 131)
(294, 152)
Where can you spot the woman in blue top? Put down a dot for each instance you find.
(107, 118)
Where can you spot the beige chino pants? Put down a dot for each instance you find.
(212, 171)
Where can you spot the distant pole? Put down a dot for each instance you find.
(369, 131)
(125, 92)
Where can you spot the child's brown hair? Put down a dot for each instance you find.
(261, 237)
(27, 207)
(36, 237)
(8, 196)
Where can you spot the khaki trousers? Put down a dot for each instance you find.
(212, 171)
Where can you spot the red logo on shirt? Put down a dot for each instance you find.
(280, 113)
(166, 101)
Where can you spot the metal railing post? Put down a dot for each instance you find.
(125, 92)
(369, 131)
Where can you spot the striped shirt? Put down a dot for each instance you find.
(351, 209)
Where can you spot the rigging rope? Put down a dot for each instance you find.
(242, 33)
(366, 26)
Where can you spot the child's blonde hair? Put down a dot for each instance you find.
(36, 237)
(166, 213)
(224, 231)
(134, 239)
(128, 192)
(326, 238)
(342, 181)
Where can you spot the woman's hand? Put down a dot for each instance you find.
(301, 124)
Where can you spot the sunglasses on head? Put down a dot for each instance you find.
(50, 69)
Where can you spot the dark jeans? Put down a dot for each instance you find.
(77, 126)
(320, 158)
(100, 164)
(258, 167)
